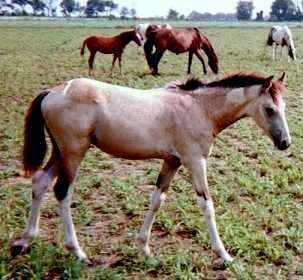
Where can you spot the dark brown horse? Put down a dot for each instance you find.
(109, 45)
(178, 41)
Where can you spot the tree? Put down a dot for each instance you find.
(244, 10)
(282, 10)
(68, 6)
(22, 3)
(50, 7)
(93, 7)
(37, 6)
(110, 6)
(172, 14)
(124, 12)
(133, 13)
(260, 16)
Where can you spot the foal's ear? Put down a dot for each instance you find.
(267, 84)
(282, 78)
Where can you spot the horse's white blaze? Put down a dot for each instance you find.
(282, 108)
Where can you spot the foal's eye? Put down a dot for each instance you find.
(269, 111)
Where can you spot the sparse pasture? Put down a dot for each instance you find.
(257, 190)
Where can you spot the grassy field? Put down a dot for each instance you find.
(257, 190)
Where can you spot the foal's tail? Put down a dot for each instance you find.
(83, 47)
(34, 148)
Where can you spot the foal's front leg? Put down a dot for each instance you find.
(198, 170)
(167, 173)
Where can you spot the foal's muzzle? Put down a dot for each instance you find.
(281, 140)
(283, 145)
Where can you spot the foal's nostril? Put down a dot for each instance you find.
(284, 145)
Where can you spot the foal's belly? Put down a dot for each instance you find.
(130, 149)
(132, 141)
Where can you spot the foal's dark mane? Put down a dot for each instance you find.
(237, 80)
(127, 34)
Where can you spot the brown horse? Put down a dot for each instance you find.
(177, 124)
(109, 45)
(178, 41)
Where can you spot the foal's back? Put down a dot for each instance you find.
(104, 44)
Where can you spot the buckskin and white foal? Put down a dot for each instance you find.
(177, 123)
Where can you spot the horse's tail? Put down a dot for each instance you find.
(270, 40)
(83, 47)
(148, 46)
(34, 147)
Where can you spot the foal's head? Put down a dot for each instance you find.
(136, 37)
(268, 111)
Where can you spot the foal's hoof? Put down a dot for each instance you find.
(221, 264)
(88, 262)
(18, 249)
(146, 251)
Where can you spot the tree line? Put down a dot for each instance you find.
(281, 10)
(66, 8)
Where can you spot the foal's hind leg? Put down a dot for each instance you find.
(167, 173)
(41, 181)
(114, 61)
(71, 159)
(91, 63)
(120, 63)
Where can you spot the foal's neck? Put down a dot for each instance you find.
(126, 37)
(229, 106)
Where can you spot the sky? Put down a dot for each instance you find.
(147, 8)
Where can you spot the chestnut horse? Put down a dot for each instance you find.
(178, 41)
(177, 123)
(109, 45)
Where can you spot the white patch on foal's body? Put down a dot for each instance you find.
(235, 96)
(67, 87)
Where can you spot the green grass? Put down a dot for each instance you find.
(257, 190)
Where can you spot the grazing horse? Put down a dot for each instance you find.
(281, 36)
(109, 45)
(178, 41)
(177, 123)
(142, 28)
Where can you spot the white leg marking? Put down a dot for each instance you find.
(71, 240)
(157, 198)
(41, 181)
(209, 213)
